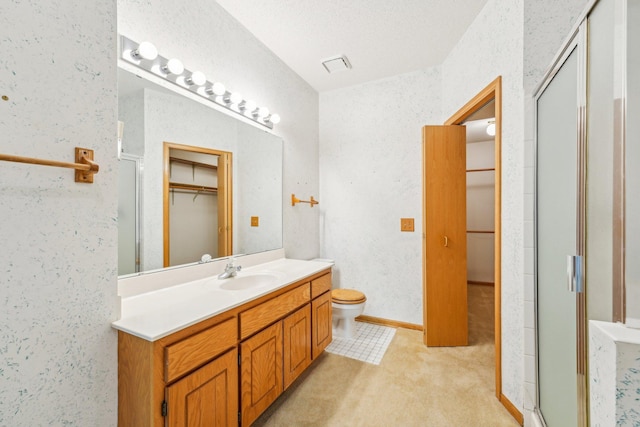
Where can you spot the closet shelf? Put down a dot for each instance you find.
(192, 163)
(192, 187)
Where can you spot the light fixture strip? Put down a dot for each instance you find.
(195, 82)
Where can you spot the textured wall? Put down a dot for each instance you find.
(58, 265)
(492, 47)
(371, 176)
(205, 37)
(547, 24)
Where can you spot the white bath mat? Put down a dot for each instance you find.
(369, 345)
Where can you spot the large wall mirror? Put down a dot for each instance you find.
(160, 124)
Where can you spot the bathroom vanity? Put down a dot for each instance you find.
(219, 352)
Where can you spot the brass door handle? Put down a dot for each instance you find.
(446, 242)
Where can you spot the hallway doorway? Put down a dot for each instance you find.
(490, 98)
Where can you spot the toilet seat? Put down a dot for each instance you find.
(347, 296)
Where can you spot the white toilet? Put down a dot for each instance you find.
(346, 304)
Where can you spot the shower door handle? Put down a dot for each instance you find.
(575, 273)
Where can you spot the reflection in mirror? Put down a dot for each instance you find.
(197, 203)
(632, 167)
(153, 115)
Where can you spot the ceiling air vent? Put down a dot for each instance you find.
(336, 63)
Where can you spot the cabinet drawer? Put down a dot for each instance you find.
(320, 285)
(268, 312)
(199, 348)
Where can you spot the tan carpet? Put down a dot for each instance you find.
(413, 386)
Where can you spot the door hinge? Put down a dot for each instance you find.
(239, 360)
(239, 418)
(164, 408)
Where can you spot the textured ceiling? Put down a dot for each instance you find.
(381, 38)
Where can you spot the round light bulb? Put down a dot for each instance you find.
(145, 50)
(249, 105)
(263, 112)
(491, 129)
(197, 79)
(274, 118)
(235, 98)
(173, 66)
(218, 89)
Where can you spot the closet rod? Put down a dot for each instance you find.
(85, 168)
(191, 187)
(480, 231)
(481, 170)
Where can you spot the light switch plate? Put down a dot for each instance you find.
(255, 221)
(406, 224)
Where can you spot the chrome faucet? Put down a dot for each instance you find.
(230, 270)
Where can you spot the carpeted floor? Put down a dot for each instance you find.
(413, 385)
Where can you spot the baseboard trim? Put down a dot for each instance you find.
(387, 322)
(476, 282)
(510, 407)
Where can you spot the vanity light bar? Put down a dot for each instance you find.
(145, 55)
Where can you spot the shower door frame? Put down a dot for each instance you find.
(577, 41)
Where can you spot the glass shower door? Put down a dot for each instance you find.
(557, 170)
(129, 175)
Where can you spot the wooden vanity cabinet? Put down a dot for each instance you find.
(260, 372)
(206, 397)
(297, 344)
(232, 365)
(321, 314)
(321, 324)
(171, 378)
(275, 357)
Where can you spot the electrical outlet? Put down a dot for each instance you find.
(406, 224)
(255, 221)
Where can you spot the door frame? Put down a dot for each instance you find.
(225, 201)
(493, 91)
(578, 41)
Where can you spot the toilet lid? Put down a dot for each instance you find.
(347, 296)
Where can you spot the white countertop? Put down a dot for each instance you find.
(156, 314)
(618, 332)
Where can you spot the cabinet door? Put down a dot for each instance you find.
(207, 397)
(297, 344)
(321, 333)
(260, 372)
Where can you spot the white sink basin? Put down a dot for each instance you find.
(249, 281)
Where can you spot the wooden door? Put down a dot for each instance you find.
(321, 334)
(445, 239)
(297, 344)
(208, 397)
(260, 372)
